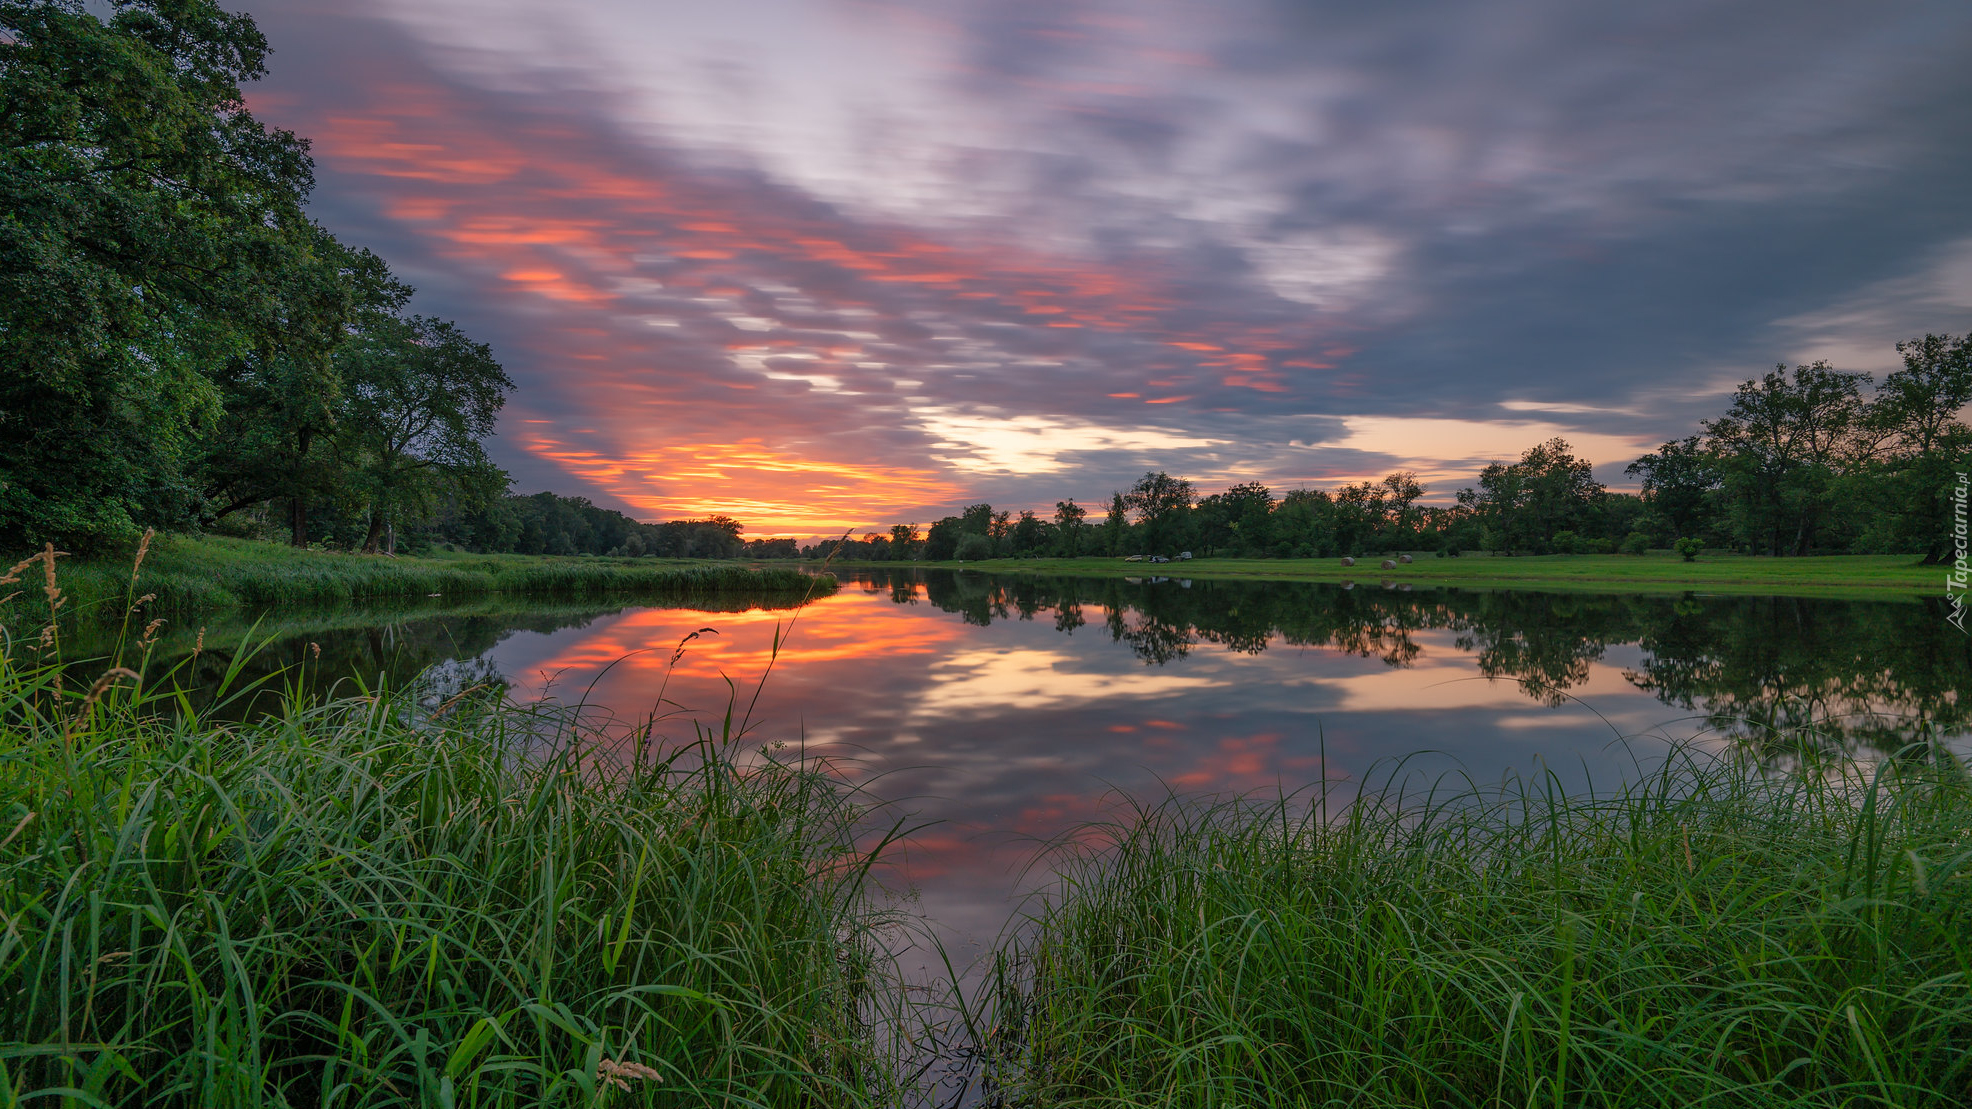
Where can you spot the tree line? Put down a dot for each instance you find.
(1812, 460)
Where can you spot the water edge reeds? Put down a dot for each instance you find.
(1710, 934)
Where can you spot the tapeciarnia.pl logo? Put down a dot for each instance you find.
(1955, 581)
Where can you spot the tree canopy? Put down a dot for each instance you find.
(178, 340)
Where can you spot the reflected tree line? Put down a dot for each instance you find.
(435, 652)
(1772, 672)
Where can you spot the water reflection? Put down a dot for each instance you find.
(1848, 674)
(342, 648)
(1005, 708)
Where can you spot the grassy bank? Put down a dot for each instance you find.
(1833, 575)
(190, 578)
(1709, 936)
(361, 903)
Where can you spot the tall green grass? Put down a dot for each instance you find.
(359, 902)
(1709, 936)
(185, 578)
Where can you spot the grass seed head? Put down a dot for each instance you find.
(612, 1073)
(48, 556)
(143, 548)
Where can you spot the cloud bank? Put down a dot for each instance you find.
(839, 263)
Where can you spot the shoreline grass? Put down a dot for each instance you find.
(1710, 935)
(1878, 576)
(192, 577)
(360, 902)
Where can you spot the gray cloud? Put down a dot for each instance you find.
(1286, 214)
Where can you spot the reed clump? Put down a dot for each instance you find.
(359, 901)
(1710, 935)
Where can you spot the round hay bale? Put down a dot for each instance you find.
(1389, 565)
(1405, 559)
(1346, 561)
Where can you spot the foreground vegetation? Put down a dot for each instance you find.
(361, 901)
(1870, 575)
(187, 578)
(1710, 935)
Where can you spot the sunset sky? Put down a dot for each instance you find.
(828, 263)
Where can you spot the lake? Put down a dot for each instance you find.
(1002, 710)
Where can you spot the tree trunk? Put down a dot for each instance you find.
(376, 532)
(297, 522)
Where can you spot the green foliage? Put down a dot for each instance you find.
(152, 228)
(1161, 504)
(1115, 526)
(1779, 445)
(1678, 480)
(1525, 505)
(418, 399)
(972, 547)
(178, 341)
(1711, 935)
(1688, 548)
(1918, 409)
(1068, 527)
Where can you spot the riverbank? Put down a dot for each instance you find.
(478, 905)
(1715, 934)
(188, 578)
(1833, 575)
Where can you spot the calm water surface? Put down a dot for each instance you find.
(1005, 710)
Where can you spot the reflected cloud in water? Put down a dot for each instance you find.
(1010, 709)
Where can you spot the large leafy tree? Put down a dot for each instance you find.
(418, 397)
(150, 228)
(1524, 505)
(1160, 502)
(1917, 414)
(282, 397)
(1678, 480)
(1068, 517)
(1780, 445)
